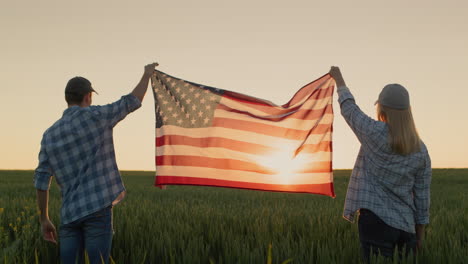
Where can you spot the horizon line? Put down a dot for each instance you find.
(124, 170)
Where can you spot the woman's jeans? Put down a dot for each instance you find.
(379, 238)
(92, 234)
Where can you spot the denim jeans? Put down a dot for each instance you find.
(377, 237)
(92, 233)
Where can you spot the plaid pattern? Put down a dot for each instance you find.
(395, 187)
(79, 151)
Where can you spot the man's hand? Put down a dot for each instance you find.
(49, 233)
(419, 236)
(140, 90)
(149, 69)
(419, 245)
(335, 73)
(48, 230)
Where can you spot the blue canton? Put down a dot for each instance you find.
(394, 187)
(79, 151)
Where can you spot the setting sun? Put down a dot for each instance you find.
(285, 164)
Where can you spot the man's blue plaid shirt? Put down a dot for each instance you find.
(394, 187)
(79, 151)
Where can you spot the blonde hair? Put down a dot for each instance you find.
(404, 138)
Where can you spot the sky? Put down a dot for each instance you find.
(268, 49)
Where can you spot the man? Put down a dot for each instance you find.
(79, 151)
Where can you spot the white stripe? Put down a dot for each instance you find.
(324, 85)
(223, 153)
(239, 135)
(310, 104)
(293, 123)
(315, 86)
(318, 138)
(244, 176)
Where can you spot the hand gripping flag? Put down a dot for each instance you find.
(214, 137)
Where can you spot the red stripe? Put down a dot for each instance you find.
(272, 109)
(323, 189)
(270, 130)
(304, 114)
(247, 99)
(306, 88)
(232, 164)
(313, 148)
(214, 142)
(215, 163)
(317, 166)
(241, 146)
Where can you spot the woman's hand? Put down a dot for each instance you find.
(335, 73)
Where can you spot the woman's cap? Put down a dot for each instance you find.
(79, 85)
(394, 96)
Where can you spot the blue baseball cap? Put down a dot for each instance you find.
(394, 96)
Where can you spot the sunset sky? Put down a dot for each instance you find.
(266, 48)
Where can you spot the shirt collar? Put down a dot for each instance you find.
(70, 110)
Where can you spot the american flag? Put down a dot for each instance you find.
(214, 137)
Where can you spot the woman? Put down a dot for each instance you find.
(390, 182)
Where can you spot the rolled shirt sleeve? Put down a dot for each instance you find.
(344, 94)
(421, 192)
(119, 109)
(43, 172)
(361, 124)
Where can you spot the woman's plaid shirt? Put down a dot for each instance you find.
(394, 187)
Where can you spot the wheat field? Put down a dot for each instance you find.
(192, 224)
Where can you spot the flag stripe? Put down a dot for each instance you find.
(312, 148)
(235, 145)
(199, 161)
(239, 135)
(323, 82)
(221, 152)
(214, 142)
(319, 188)
(270, 130)
(324, 116)
(300, 114)
(238, 165)
(316, 88)
(278, 111)
(244, 176)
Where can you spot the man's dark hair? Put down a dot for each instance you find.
(73, 98)
(76, 90)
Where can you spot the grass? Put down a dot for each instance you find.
(188, 224)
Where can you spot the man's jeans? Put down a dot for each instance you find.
(92, 233)
(379, 238)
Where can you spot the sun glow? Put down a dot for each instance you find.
(284, 164)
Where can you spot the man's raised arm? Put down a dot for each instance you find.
(140, 90)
